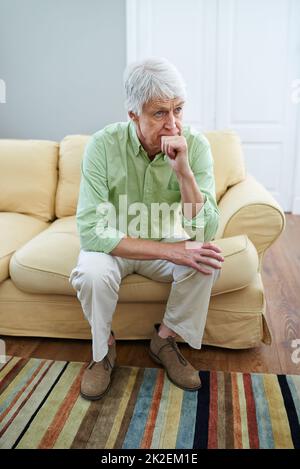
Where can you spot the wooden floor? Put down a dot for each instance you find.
(281, 277)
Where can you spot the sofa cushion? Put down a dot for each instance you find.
(229, 168)
(16, 230)
(44, 265)
(28, 177)
(229, 165)
(70, 154)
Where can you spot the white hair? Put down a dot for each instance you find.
(153, 78)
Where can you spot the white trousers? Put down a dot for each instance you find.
(97, 278)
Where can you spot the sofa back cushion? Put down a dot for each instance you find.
(229, 168)
(229, 165)
(28, 177)
(70, 155)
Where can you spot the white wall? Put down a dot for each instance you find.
(62, 63)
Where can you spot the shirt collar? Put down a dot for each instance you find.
(136, 144)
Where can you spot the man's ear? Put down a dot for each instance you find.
(133, 116)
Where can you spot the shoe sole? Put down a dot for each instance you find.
(99, 396)
(157, 360)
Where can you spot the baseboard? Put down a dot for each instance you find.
(296, 206)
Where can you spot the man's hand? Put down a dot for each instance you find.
(188, 253)
(175, 147)
(184, 254)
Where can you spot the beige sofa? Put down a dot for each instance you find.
(39, 246)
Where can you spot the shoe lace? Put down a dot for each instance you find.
(106, 363)
(173, 347)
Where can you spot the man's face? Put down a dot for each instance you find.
(158, 118)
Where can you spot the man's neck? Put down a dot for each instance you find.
(150, 152)
(151, 157)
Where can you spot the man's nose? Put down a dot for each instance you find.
(171, 122)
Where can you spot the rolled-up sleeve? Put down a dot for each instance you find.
(95, 225)
(205, 224)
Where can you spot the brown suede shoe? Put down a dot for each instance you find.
(179, 370)
(96, 378)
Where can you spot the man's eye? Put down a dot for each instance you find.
(178, 110)
(159, 113)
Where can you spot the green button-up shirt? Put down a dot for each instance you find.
(115, 164)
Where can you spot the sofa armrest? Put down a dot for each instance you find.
(248, 208)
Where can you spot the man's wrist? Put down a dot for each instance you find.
(185, 177)
(163, 251)
(167, 249)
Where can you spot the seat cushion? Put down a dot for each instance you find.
(28, 177)
(44, 265)
(16, 230)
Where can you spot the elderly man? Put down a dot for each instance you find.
(150, 159)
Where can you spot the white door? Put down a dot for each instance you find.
(256, 65)
(239, 59)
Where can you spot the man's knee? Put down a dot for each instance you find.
(94, 269)
(182, 272)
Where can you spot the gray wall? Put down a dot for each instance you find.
(62, 62)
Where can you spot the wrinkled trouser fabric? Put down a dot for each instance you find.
(97, 278)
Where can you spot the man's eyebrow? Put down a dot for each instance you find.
(162, 108)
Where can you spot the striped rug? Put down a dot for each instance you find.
(40, 407)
